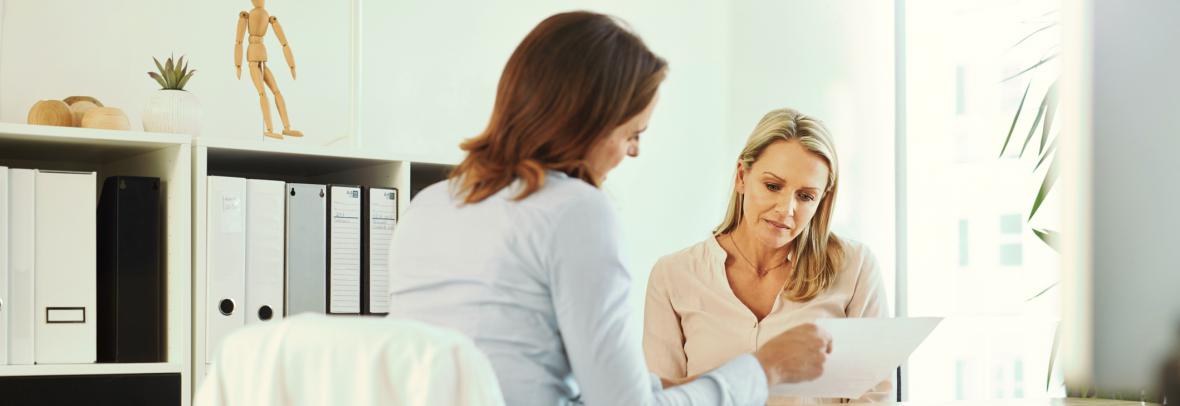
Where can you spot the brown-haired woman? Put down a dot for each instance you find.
(519, 249)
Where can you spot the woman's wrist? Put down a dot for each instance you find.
(771, 376)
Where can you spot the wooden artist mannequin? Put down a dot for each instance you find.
(257, 19)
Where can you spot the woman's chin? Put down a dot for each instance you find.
(774, 237)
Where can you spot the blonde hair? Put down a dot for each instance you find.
(818, 252)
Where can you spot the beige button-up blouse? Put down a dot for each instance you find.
(694, 323)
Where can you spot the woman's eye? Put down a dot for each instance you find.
(773, 187)
(806, 197)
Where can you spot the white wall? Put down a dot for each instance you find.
(57, 48)
(1136, 311)
(832, 60)
(445, 60)
(431, 69)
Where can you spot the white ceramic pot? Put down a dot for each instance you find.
(173, 111)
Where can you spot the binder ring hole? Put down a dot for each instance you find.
(265, 313)
(226, 307)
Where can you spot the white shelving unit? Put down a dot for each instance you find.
(275, 160)
(94, 369)
(183, 166)
(114, 153)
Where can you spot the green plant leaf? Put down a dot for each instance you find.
(158, 79)
(1039, 63)
(1053, 351)
(1046, 186)
(159, 68)
(175, 74)
(1048, 151)
(170, 76)
(1032, 130)
(1015, 118)
(1050, 110)
(1050, 238)
(1032, 34)
(184, 80)
(1042, 292)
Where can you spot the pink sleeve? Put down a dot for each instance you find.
(663, 338)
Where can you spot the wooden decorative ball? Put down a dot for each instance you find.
(79, 109)
(74, 99)
(107, 118)
(51, 112)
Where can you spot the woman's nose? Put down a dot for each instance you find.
(633, 150)
(788, 206)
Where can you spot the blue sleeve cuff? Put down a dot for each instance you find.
(743, 380)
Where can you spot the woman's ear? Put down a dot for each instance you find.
(740, 182)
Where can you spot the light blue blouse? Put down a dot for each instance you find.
(540, 286)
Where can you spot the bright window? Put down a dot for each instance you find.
(972, 253)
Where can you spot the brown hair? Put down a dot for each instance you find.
(575, 78)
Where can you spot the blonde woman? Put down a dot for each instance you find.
(771, 265)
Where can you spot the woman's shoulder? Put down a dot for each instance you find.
(692, 263)
(857, 256)
(691, 259)
(435, 197)
(853, 249)
(566, 195)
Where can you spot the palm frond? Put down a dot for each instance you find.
(1046, 185)
(1036, 122)
(1050, 111)
(1015, 118)
(1033, 34)
(1039, 63)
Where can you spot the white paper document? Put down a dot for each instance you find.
(865, 351)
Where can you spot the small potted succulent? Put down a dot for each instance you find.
(172, 109)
